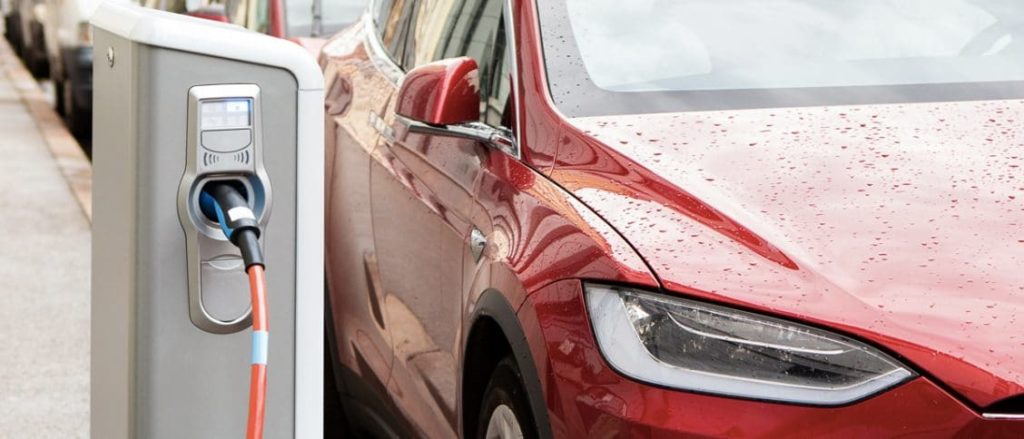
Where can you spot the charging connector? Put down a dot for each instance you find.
(224, 203)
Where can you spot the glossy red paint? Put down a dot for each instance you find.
(898, 225)
(445, 92)
(541, 233)
(888, 221)
(352, 274)
(541, 132)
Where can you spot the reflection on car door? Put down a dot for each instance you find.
(352, 273)
(422, 191)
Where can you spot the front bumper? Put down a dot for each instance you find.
(586, 398)
(78, 71)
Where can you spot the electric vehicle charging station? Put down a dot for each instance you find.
(181, 102)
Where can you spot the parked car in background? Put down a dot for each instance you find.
(69, 50)
(10, 14)
(291, 19)
(573, 218)
(30, 43)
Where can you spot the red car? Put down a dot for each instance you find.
(578, 218)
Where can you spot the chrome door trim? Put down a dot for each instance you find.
(510, 37)
(379, 55)
(382, 127)
(1013, 416)
(497, 138)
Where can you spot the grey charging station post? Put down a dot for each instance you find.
(179, 102)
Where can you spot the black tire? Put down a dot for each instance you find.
(78, 119)
(11, 30)
(336, 423)
(505, 389)
(38, 66)
(35, 56)
(14, 33)
(58, 96)
(19, 48)
(32, 64)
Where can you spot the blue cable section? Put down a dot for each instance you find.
(207, 203)
(260, 342)
(223, 222)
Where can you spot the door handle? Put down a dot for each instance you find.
(477, 243)
(382, 128)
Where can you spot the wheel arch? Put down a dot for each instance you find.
(493, 318)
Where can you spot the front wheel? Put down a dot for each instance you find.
(77, 117)
(58, 99)
(506, 411)
(35, 56)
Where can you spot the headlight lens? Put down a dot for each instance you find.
(695, 346)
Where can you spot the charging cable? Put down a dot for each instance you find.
(225, 203)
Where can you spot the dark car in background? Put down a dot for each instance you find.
(68, 38)
(54, 37)
(23, 26)
(12, 22)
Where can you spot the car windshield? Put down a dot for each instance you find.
(610, 57)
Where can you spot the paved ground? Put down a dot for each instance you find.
(44, 267)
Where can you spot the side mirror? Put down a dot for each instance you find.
(445, 92)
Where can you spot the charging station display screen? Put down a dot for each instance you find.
(226, 113)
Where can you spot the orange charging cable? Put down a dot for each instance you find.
(260, 336)
(228, 205)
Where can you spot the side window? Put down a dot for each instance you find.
(391, 18)
(451, 28)
(430, 17)
(497, 109)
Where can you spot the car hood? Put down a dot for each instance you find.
(902, 224)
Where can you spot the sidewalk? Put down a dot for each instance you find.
(44, 267)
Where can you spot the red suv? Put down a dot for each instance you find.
(591, 218)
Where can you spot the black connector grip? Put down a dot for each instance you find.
(235, 207)
(241, 225)
(248, 243)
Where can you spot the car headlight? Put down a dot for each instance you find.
(695, 346)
